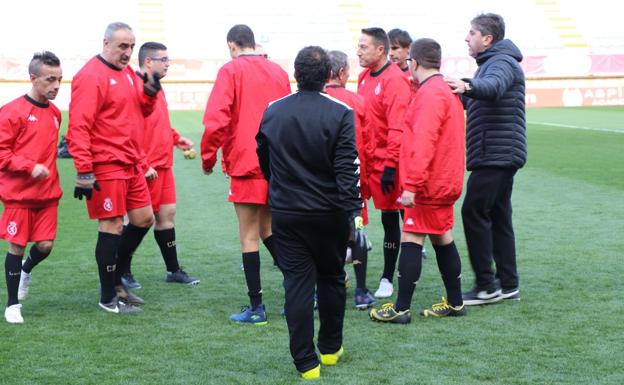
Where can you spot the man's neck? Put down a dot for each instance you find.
(334, 83)
(426, 74)
(37, 97)
(379, 64)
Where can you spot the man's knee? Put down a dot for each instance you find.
(111, 225)
(45, 247)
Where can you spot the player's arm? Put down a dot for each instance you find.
(148, 93)
(396, 100)
(217, 118)
(493, 83)
(262, 149)
(347, 165)
(10, 126)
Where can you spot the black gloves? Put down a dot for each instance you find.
(387, 180)
(357, 237)
(151, 84)
(85, 183)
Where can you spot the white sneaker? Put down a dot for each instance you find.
(13, 314)
(385, 289)
(22, 291)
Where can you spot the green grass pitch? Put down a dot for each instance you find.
(567, 329)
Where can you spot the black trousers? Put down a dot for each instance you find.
(311, 253)
(486, 214)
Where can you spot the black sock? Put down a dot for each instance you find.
(12, 271)
(392, 238)
(130, 239)
(449, 264)
(360, 260)
(105, 255)
(269, 243)
(34, 257)
(251, 264)
(166, 240)
(410, 265)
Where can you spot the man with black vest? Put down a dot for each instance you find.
(495, 149)
(307, 152)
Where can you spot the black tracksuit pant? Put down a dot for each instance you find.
(312, 251)
(486, 214)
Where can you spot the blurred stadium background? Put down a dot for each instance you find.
(574, 50)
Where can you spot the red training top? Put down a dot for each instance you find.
(106, 113)
(433, 152)
(28, 135)
(242, 91)
(386, 95)
(356, 102)
(159, 137)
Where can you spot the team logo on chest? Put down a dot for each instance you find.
(113, 82)
(32, 118)
(378, 89)
(108, 205)
(12, 228)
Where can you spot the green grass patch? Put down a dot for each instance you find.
(568, 215)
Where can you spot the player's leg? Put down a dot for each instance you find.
(42, 233)
(249, 232)
(15, 229)
(164, 233)
(481, 191)
(38, 252)
(449, 264)
(390, 219)
(329, 243)
(297, 265)
(503, 238)
(12, 270)
(266, 234)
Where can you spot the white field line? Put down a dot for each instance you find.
(617, 131)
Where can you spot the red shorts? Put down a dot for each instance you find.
(162, 189)
(391, 201)
(23, 225)
(117, 196)
(428, 219)
(249, 190)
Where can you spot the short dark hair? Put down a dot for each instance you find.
(399, 37)
(427, 53)
(490, 24)
(149, 49)
(242, 36)
(338, 60)
(41, 58)
(312, 68)
(379, 37)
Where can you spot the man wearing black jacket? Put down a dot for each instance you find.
(495, 149)
(306, 148)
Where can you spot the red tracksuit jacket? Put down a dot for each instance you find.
(28, 135)
(386, 95)
(242, 91)
(362, 139)
(159, 137)
(433, 151)
(106, 118)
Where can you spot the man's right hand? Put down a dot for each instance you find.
(40, 172)
(85, 183)
(387, 180)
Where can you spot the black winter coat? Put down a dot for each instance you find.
(496, 127)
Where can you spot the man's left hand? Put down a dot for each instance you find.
(184, 143)
(151, 83)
